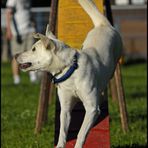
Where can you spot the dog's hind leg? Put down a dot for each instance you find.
(92, 112)
(67, 102)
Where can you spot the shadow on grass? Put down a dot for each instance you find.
(138, 94)
(140, 117)
(131, 62)
(22, 85)
(13, 85)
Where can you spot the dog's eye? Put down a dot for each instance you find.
(33, 49)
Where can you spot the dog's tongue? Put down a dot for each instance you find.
(24, 65)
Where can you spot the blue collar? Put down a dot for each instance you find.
(69, 72)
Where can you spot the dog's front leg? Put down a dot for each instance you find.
(67, 102)
(92, 112)
(64, 125)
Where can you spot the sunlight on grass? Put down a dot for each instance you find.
(19, 107)
(134, 81)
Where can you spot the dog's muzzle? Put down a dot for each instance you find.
(25, 65)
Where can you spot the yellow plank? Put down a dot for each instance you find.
(73, 22)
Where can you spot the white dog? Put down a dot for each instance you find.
(79, 75)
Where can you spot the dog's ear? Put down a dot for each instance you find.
(49, 34)
(49, 44)
(45, 40)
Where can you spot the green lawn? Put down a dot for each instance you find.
(19, 106)
(135, 86)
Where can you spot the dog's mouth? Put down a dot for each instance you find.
(25, 65)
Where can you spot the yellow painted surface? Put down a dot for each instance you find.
(73, 22)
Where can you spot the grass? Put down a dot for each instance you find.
(19, 107)
(134, 80)
(18, 113)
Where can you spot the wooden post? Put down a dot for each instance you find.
(121, 99)
(45, 91)
(113, 90)
(43, 103)
(118, 81)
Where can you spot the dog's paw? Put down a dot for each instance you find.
(78, 145)
(59, 146)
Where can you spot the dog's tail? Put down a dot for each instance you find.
(97, 17)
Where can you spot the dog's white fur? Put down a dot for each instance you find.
(96, 64)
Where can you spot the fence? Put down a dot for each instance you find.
(131, 22)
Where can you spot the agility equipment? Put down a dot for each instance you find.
(73, 21)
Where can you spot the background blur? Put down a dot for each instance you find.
(19, 103)
(129, 18)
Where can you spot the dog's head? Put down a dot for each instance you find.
(40, 56)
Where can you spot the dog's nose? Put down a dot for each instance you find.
(16, 56)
